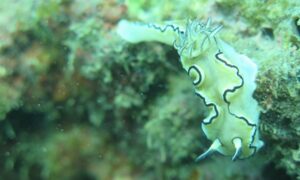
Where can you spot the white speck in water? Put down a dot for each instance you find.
(44, 149)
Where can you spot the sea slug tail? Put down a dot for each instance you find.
(135, 32)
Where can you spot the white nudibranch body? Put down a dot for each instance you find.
(223, 79)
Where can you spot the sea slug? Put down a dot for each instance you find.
(223, 79)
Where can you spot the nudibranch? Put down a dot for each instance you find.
(223, 79)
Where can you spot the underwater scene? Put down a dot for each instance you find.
(149, 90)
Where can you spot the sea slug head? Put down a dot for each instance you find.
(196, 38)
